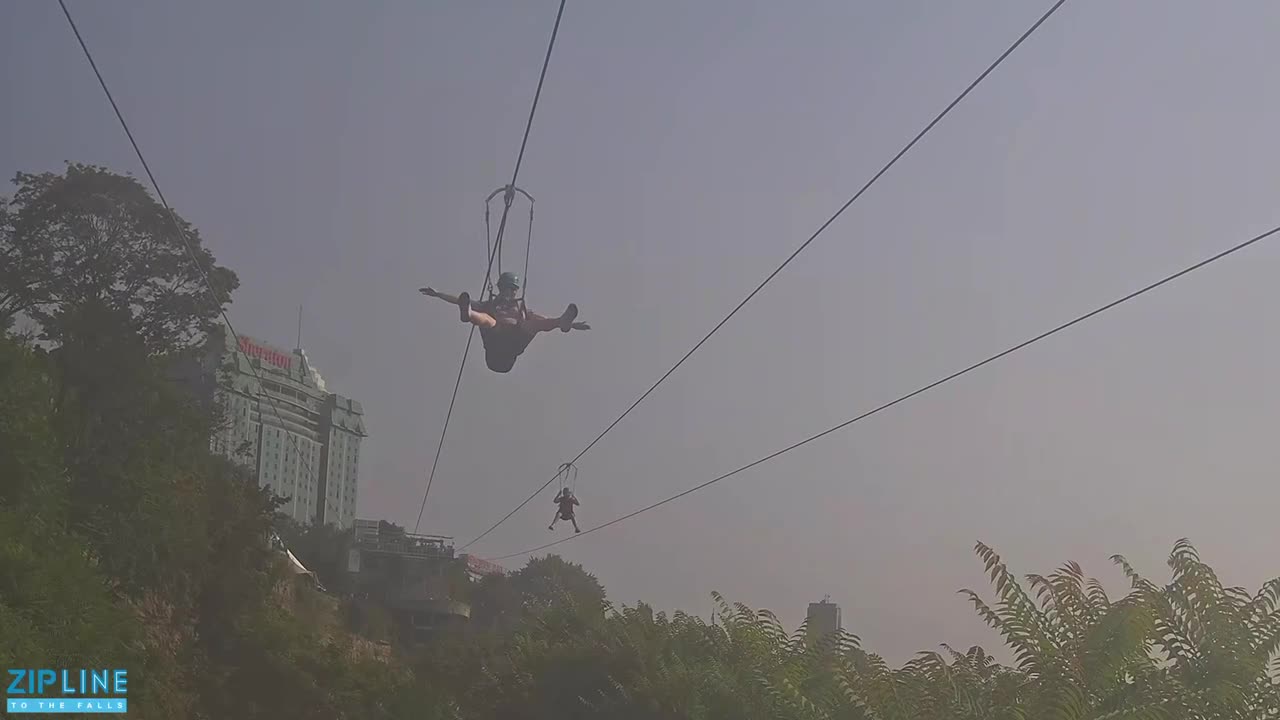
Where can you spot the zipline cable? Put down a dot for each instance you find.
(183, 236)
(502, 226)
(911, 394)
(786, 262)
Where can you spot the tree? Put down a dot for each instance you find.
(503, 601)
(16, 271)
(90, 236)
(1085, 654)
(32, 476)
(136, 456)
(122, 537)
(1219, 645)
(551, 581)
(495, 603)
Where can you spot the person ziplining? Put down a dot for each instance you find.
(506, 325)
(564, 509)
(565, 498)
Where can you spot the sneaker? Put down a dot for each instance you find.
(566, 320)
(551, 527)
(464, 307)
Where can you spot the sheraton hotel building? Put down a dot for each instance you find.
(302, 440)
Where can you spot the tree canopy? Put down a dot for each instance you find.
(93, 237)
(125, 542)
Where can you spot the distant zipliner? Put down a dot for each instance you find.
(506, 324)
(565, 499)
(565, 502)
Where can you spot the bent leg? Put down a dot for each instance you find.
(574, 519)
(468, 314)
(535, 323)
(481, 320)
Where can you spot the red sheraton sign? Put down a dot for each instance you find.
(274, 357)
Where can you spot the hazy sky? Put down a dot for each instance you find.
(337, 155)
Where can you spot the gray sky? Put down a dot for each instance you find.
(337, 155)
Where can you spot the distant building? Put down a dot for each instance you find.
(478, 568)
(823, 619)
(405, 576)
(302, 440)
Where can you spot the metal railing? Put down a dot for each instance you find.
(369, 537)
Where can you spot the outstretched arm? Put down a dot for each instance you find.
(431, 292)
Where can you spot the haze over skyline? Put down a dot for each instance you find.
(337, 156)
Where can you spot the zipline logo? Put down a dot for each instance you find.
(43, 690)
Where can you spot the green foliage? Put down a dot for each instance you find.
(92, 237)
(503, 602)
(125, 542)
(1079, 654)
(54, 605)
(32, 476)
(321, 548)
(550, 581)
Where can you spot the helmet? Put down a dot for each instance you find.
(508, 280)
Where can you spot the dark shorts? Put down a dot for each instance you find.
(566, 514)
(502, 345)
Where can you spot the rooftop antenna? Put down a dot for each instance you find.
(826, 599)
(299, 345)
